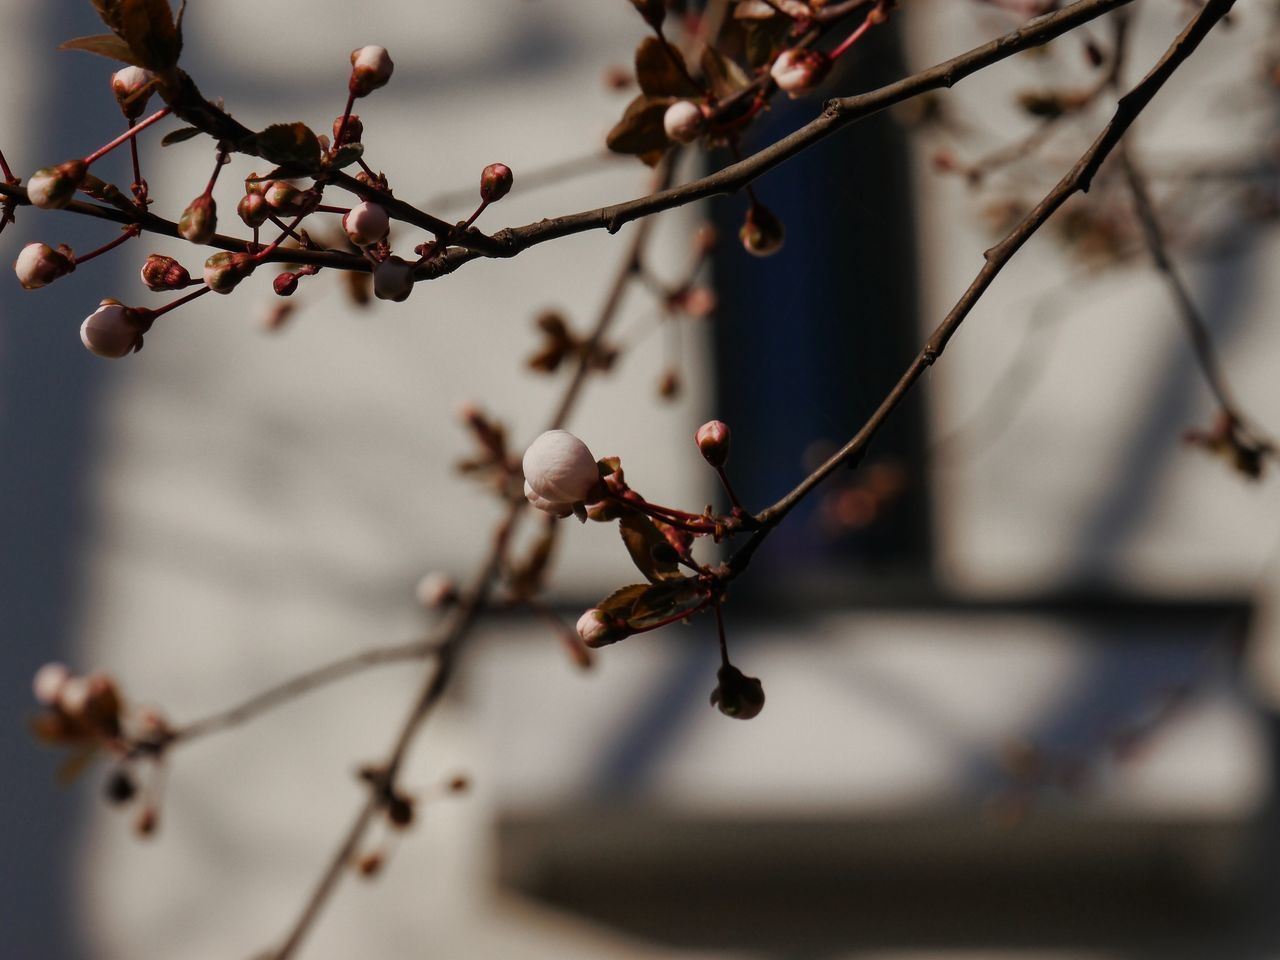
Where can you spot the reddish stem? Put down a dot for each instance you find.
(342, 126)
(286, 231)
(728, 488)
(126, 136)
(675, 618)
(128, 234)
(161, 311)
(853, 38)
(4, 168)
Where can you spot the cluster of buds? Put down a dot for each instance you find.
(79, 709)
(560, 474)
(371, 68)
(39, 264)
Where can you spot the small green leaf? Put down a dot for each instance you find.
(179, 135)
(106, 192)
(649, 549)
(658, 73)
(104, 45)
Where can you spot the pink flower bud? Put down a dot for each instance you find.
(799, 70)
(164, 273)
(366, 223)
(129, 85)
(557, 510)
(495, 182)
(224, 271)
(559, 472)
(762, 233)
(112, 331)
(712, 439)
(683, 121)
(53, 187)
(598, 629)
(199, 220)
(352, 133)
(253, 209)
(436, 590)
(48, 683)
(38, 265)
(370, 69)
(285, 284)
(393, 280)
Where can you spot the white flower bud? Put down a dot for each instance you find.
(559, 472)
(370, 69)
(595, 627)
(799, 70)
(38, 265)
(436, 590)
(557, 510)
(366, 223)
(111, 331)
(73, 696)
(48, 683)
(683, 121)
(393, 279)
(127, 85)
(53, 187)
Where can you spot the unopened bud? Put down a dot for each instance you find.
(400, 811)
(495, 182)
(38, 265)
(112, 331)
(253, 209)
(683, 121)
(119, 788)
(200, 220)
(132, 87)
(366, 223)
(762, 233)
(353, 132)
(799, 70)
(559, 472)
(436, 590)
(284, 197)
(161, 273)
(224, 271)
(737, 695)
(285, 284)
(599, 629)
(53, 187)
(712, 439)
(48, 683)
(393, 280)
(370, 69)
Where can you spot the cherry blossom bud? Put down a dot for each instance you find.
(253, 209)
(285, 284)
(353, 132)
(119, 788)
(799, 70)
(762, 233)
(199, 220)
(712, 439)
(112, 331)
(366, 223)
(38, 265)
(164, 273)
(737, 695)
(370, 69)
(495, 182)
(393, 280)
(48, 683)
(53, 187)
(128, 86)
(683, 121)
(557, 510)
(559, 472)
(224, 271)
(284, 197)
(597, 628)
(436, 590)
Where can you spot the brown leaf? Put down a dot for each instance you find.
(640, 131)
(658, 73)
(147, 27)
(289, 144)
(620, 602)
(662, 601)
(724, 75)
(104, 45)
(649, 549)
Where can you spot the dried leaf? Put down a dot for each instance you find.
(104, 45)
(724, 75)
(147, 27)
(665, 600)
(649, 549)
(658, 73)
(640, 131)
(179, 135)
(620, 602)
